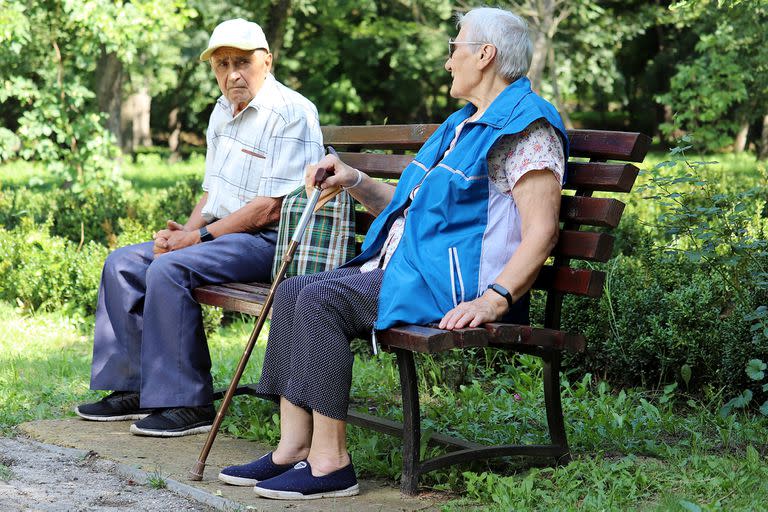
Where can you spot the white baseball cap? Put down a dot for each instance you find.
(237, 33)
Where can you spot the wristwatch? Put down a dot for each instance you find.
(205, 236)
(503, 292)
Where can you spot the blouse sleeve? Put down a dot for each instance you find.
(535, 148)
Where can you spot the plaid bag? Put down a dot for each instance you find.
(328, 241)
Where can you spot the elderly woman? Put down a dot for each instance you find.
(459, 241)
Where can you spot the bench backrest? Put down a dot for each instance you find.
(588, 170)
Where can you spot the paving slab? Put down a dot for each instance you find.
(172, 458)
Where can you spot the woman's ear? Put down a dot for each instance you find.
(485, 56)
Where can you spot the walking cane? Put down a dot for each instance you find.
(196, 473)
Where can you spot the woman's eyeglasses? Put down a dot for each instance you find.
(452, 45)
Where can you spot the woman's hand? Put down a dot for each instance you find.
(338, 174)
(488, 307)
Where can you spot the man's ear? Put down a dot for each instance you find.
(268, 61)
(486, 55)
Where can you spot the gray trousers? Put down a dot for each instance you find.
(149, 333)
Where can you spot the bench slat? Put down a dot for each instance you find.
(429, 340)
(229, 298)
(403, 136)
(509, 335)
(574, 281)
(377, 165)
(591, 211)
(595, 176)
(609, 145)
(584, 245)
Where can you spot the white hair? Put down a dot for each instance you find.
(507, 31)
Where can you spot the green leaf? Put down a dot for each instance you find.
(685, 373)
(755, 369)
(691, 507)
(764, 408)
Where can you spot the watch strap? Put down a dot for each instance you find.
(205, 236)
(503, 292)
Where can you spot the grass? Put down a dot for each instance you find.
(633, 449)
(156, 480)
(6, 473)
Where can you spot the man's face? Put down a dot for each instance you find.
(240, 73)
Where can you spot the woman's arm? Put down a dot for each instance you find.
(374, 195)
(537, 195)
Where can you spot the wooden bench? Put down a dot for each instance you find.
(589, 171)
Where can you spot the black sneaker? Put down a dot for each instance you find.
(117, 406)
(176, 422)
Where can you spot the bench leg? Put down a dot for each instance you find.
(411, 422)
(554, 407)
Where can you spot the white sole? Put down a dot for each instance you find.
(236, 480)
(288, 495)
(125, 417)
(165, 433)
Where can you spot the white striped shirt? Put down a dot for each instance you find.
(262, 151)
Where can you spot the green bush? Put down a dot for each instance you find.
(656, 317)
(47, 272)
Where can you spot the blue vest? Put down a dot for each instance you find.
(437, 262)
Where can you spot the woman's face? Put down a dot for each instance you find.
(462, 66)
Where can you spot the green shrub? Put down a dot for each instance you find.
(47, 272)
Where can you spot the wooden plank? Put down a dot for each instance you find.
(591, 211)
(609, 145)
(593, 176)
(260, 289)
(509, 335)
(584, 245)
(404, 136)
(574, 281)
(428, 340)
(377, 165)
(228, 299)
(595, 144)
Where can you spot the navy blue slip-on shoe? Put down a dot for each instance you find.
(299, 484)
(253, 472)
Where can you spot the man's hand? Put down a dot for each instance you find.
(173, 238)
(488, 307)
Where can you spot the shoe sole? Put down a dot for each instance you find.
(237, 480)
(169, 433)
(124, 417)
(290, 495)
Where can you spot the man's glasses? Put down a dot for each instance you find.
(452, 45)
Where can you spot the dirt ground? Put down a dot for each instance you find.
(34, 477)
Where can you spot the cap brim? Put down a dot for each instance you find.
(209, 51)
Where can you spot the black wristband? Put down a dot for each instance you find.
(503, 292)
(205, 236)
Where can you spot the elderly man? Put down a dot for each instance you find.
(149, 344)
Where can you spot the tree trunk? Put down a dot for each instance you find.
(174, 137)
(279, 13)
(740, 142)
(556, 90)
(142, 103)
(763, 155)
(541, 44)
(109, 80)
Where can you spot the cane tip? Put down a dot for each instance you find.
(196, 473)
